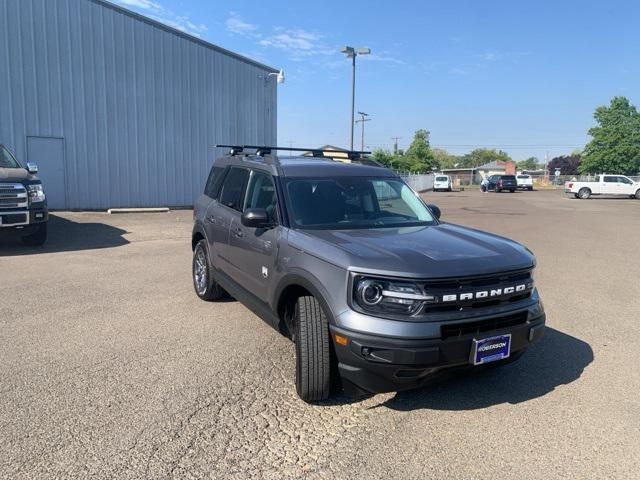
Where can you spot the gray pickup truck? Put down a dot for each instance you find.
(23, 205)
(377, 292)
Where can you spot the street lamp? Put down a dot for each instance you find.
(352, 53)
(279, 76)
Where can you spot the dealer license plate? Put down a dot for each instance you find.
(490, 349)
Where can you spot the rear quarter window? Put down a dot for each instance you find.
(216, 176)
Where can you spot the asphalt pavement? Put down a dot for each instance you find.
(111, 367)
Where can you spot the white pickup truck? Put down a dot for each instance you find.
(605, 185)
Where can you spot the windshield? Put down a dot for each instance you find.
(7, 160)
(354, 202)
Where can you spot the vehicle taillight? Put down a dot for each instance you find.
(569, 185)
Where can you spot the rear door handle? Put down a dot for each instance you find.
(211, 219)
(238, 233)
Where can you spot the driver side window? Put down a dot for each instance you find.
(261, 193)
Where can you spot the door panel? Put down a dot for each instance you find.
(253, 251)
(48, 153)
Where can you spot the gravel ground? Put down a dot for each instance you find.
(110, 367)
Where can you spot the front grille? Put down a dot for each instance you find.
(12, 196)
(482, 326)
(442, 288)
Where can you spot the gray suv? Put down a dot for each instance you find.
(342, 256)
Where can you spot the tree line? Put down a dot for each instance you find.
(614, 148)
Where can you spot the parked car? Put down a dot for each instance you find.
(524, 181)
(442, 183)
(376, 293)
(23, 204)
(498, 183)
(605, 185)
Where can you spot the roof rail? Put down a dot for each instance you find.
(316, 152)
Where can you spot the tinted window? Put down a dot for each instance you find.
(442, 179)
(624, 180)
(508, 177)
(233, 188)
(524, 177)
(214, 181)
(261, 193)
(354, 202)
(6, 159)
(611, 179)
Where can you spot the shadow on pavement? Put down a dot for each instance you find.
(64, 236)
(558, 359)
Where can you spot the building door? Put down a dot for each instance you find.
(48, 154)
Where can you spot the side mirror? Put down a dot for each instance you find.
(256, 218)
(32, 168)
(435, 210)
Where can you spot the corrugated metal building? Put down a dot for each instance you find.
(120, 110)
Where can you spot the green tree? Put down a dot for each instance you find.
(419, 156)
(480, 156)
(383, 156)
(530, 163)
(444, 159)
(615, 144)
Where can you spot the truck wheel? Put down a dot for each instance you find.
(530, 189)
(38, 238)
(313, 351)
(584, 193)
(497, 190)
(203, 283)
(637, 195)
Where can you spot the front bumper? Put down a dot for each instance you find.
(378, 364)
(24, 220)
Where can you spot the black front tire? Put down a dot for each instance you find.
(584, 193)
(203, 283)
(637, 195)
(37, 238)
(313, 351)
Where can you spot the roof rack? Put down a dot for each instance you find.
(261, 151)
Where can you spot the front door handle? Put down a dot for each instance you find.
(211, 219)
(238, 233)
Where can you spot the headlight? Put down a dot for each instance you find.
(36, 193)
(379, 295)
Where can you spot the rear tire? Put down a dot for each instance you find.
(530, 189)
(313, 351)
(511, 191)
(637, 195)
(498, 190)
(38, 238)
(584, 193)
(203, 283)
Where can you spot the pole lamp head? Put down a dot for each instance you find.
(348, 51)
(364, 51)
(280, 76)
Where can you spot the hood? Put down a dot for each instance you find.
(436, 251)
(16, 175)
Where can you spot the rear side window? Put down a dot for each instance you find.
(212, 188)
(233, 188)
(611, 179)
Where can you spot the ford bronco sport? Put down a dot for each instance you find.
(341, 255)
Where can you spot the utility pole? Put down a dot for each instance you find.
(395, 144)
(362, 120)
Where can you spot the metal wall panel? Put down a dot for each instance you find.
(139, 105)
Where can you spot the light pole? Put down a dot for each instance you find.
(362, 120)
(352, 53)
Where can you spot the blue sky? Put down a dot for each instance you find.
(521, 76)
